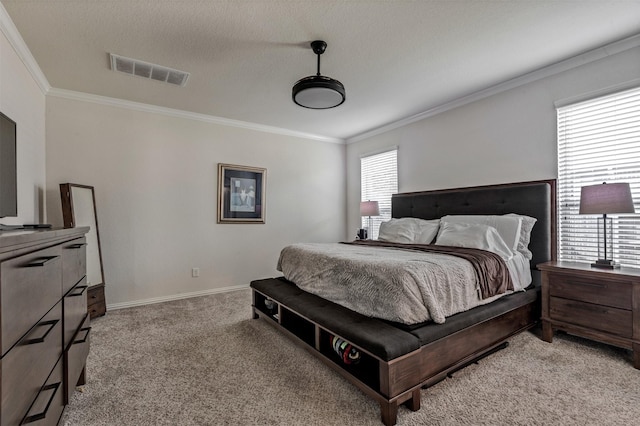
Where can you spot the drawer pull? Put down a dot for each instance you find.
(35, 417)
(51, 324)
(76, 246)
(40, 262)
(88, 330)
(82, 288)
(587, 307)
(597, 285)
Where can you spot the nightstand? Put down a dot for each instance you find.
(599, 304)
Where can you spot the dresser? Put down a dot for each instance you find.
(598, 304)
(44, 324)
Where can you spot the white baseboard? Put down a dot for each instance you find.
(123, 305)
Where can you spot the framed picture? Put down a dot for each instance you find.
(241, 194)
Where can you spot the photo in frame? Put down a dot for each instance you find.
(241, 194)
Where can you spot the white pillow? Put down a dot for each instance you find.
(409, 230)
(525, 234)
(474, 235)
(507, 226)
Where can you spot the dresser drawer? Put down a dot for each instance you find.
(26, 367)
(597, 317)
(75, 357)
(75, 309)
(49, 404)
(601, 292)
(74, 262)
(30, 288)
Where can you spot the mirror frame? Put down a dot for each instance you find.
(69, 218)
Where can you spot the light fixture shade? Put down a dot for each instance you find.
(369, 208)
(318, 92)
(606, 198)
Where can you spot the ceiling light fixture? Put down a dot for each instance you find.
(318, 91)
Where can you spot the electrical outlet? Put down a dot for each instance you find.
(195, 272)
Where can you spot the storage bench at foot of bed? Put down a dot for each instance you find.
(394, 363)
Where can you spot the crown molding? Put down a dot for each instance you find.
(137, 106)
(10, 31)
(558, 67)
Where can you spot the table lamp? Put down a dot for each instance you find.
(368, 208)
(606, 199)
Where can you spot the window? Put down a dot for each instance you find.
(598, 141)
(379, 180)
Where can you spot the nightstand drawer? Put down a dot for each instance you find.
(611, 320)
(601, 292)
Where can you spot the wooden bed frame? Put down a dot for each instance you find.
(311, 320)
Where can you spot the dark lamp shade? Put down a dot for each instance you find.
(606, 198)
(318, 92)
(369, 208)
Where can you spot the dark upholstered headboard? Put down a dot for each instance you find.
(536, 199)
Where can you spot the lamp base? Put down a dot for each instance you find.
(605, 263)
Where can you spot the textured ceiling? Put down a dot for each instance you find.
(395, 58)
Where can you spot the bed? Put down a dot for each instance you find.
(392, 360)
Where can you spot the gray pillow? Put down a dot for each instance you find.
(525, 234)
(409, 230)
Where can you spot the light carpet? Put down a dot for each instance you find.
(204, 361)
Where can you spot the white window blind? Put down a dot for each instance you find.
(599, 141)
(379, 180)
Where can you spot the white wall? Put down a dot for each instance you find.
(507, 137)
(22, 100)
(155, 179)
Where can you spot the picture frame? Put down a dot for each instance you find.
(241, 194)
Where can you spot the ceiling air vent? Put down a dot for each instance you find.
(148, 70)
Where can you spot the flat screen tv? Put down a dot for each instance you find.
(8, 172)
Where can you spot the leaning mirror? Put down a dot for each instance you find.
(79, 209)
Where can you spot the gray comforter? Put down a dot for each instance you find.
(398, 285)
